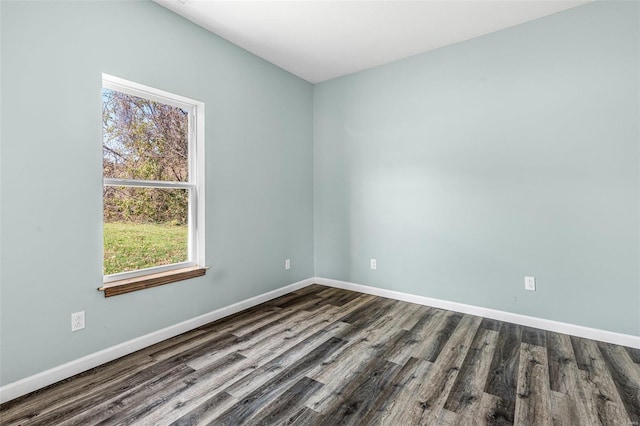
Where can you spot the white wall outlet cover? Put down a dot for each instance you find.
(530, 283)
(77, 321)
(374, 264)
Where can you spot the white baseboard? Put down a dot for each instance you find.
(61, 372)
(545, 324)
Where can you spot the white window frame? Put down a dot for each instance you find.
(196, 181)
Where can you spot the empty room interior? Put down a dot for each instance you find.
(320, 213)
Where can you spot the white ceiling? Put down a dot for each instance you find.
(319, 40)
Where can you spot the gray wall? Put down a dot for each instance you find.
(258, 168)
(464, 169)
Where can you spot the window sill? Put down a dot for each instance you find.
(128, 285)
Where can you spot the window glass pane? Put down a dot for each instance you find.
(143, 139)
(144, 227)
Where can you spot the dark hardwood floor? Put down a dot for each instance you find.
(324, 356)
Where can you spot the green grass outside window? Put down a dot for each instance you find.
(132, 246)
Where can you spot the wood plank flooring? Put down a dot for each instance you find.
(325, 356)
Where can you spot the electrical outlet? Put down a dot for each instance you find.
(374, 264)
(287, 264)
(77, 321)
(530, 283)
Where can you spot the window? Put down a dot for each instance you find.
(153, 186)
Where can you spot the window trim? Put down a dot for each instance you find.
(195, 185)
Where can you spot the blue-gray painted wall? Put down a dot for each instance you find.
(464, 169)
(258, 170)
